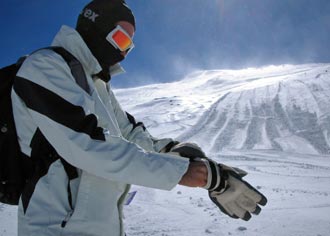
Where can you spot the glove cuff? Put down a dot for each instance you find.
(214, 175)
(189, 150)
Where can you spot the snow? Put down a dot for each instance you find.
(272, 122)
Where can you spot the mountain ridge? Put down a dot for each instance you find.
(282, 108)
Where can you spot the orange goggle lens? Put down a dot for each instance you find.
(123, 41)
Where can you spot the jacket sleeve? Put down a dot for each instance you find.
(136, 131)
(65, 114)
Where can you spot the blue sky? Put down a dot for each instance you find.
(174, 37)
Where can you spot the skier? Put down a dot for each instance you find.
(87, 149)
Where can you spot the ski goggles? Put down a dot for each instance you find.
(120, 39)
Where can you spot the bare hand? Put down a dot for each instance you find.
(196, 175)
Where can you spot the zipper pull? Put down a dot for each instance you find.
(67, 218)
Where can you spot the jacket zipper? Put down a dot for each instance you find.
(70, 213)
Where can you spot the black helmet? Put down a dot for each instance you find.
(96, 21)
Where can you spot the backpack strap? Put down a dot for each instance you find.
(76, 68)
(79, 75)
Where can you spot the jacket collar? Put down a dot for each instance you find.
(70, 39)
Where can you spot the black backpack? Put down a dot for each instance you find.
(15, 167)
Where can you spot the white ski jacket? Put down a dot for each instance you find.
(92, 133)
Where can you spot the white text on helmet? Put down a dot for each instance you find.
(89, 14)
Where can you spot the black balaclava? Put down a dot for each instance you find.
(95, 22)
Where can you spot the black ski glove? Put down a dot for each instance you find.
(234, 196)
(190, 150)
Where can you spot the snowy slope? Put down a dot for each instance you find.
(286, 112)
(271, 121)
(281, 108)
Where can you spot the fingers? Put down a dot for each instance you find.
(263, 201)
(256, 211)
(240, 199)
(222, 207)
(254, 194)
(238, 211)
(246, 203)
(240, 207)
(249, 191)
